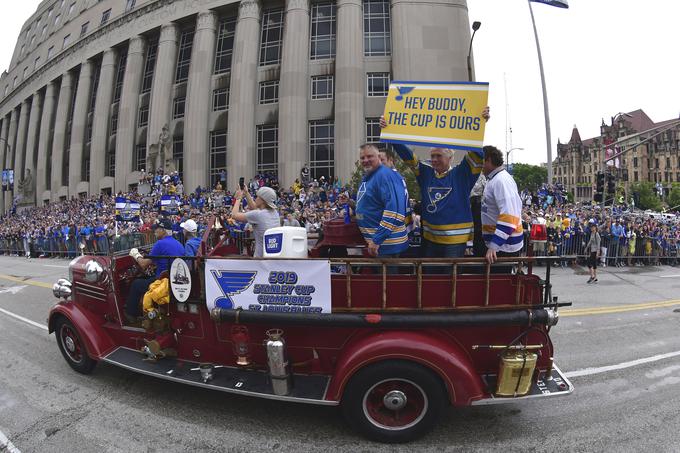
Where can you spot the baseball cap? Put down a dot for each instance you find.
(163, 223)
(189, 226)
(268, 196)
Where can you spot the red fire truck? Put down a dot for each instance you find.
(401, 338)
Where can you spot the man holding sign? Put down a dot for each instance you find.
(446, 218)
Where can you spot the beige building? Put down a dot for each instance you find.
(242, 87)
(649, 152)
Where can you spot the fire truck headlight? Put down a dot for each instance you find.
(93, 271)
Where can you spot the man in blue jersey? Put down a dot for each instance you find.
(193, 242)
(446, 219)
(381, 206)
(166, 245)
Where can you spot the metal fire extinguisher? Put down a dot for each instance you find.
(277, 359)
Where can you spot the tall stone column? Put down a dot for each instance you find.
(293, 89)
(127, 110)
(9, 157)
(429, 40)
(32, 138)
(198, 100)
(100, 127)
(60, 125)
(4, 149)
(78, 127)
(241, 151)
(20, 148)
(43, 142)
(160, 111)
(349, 87)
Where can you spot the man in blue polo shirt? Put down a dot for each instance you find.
(166, 245)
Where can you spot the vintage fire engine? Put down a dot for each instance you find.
(399, 340)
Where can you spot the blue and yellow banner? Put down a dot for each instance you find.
(127, 210)
(445, 114)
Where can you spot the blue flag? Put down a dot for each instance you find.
(170, 205)
(127, 210)
(558, 3)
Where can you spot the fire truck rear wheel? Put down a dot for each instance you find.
(72, 347)
(393, 401)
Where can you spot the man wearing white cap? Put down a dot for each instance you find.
(192, 242)
(263, 214)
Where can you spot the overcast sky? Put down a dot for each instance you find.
(600, 57)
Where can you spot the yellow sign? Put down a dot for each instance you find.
(445, 114)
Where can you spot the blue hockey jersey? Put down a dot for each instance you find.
(446, 216)
(381, 210)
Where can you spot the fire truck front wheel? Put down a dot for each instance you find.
(72, 347)
(393, 401)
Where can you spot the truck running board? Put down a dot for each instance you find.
(557, 385)
(306, 389)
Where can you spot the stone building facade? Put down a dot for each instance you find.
(98, 90)
(650, 154)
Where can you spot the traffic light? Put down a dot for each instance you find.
(611, 184)
(600, 182)
(599, 189)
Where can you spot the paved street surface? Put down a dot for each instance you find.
(621, 402)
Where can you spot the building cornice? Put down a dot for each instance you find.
(126, 26)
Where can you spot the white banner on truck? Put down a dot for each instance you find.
(284, 286)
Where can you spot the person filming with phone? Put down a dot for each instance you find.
(262, 214)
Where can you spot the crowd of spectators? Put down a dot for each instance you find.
(629, 237)
(88, 225)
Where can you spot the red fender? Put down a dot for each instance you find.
(446, 359)
(96, 339)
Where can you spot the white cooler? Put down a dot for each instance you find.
(285, 242)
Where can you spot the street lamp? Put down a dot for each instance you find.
(475, 26)
(507, 155)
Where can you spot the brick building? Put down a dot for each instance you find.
(650, 153)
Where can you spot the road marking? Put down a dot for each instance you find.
(26, 320)
(621, 366)
(617, 308)
(54, 265)
(12, 289)
(28, 282)
(6, 444)
(669, 276)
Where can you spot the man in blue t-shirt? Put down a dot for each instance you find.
(166, 245)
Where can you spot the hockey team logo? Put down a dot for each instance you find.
(361, 192)
(436, 194)
(402, 91)
(231, 283)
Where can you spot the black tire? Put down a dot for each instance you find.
(72, 347)
(419, 397)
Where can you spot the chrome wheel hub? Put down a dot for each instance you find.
(395, 400)
(70, 344)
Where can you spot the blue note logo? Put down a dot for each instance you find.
(273, 243)
(231, 283)
(436, 194)
(402, 92)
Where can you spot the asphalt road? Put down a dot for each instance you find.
(621, 402)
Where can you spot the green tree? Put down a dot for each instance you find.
(529, 177)
(674, 196)
(404, 170)
(646, 196)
